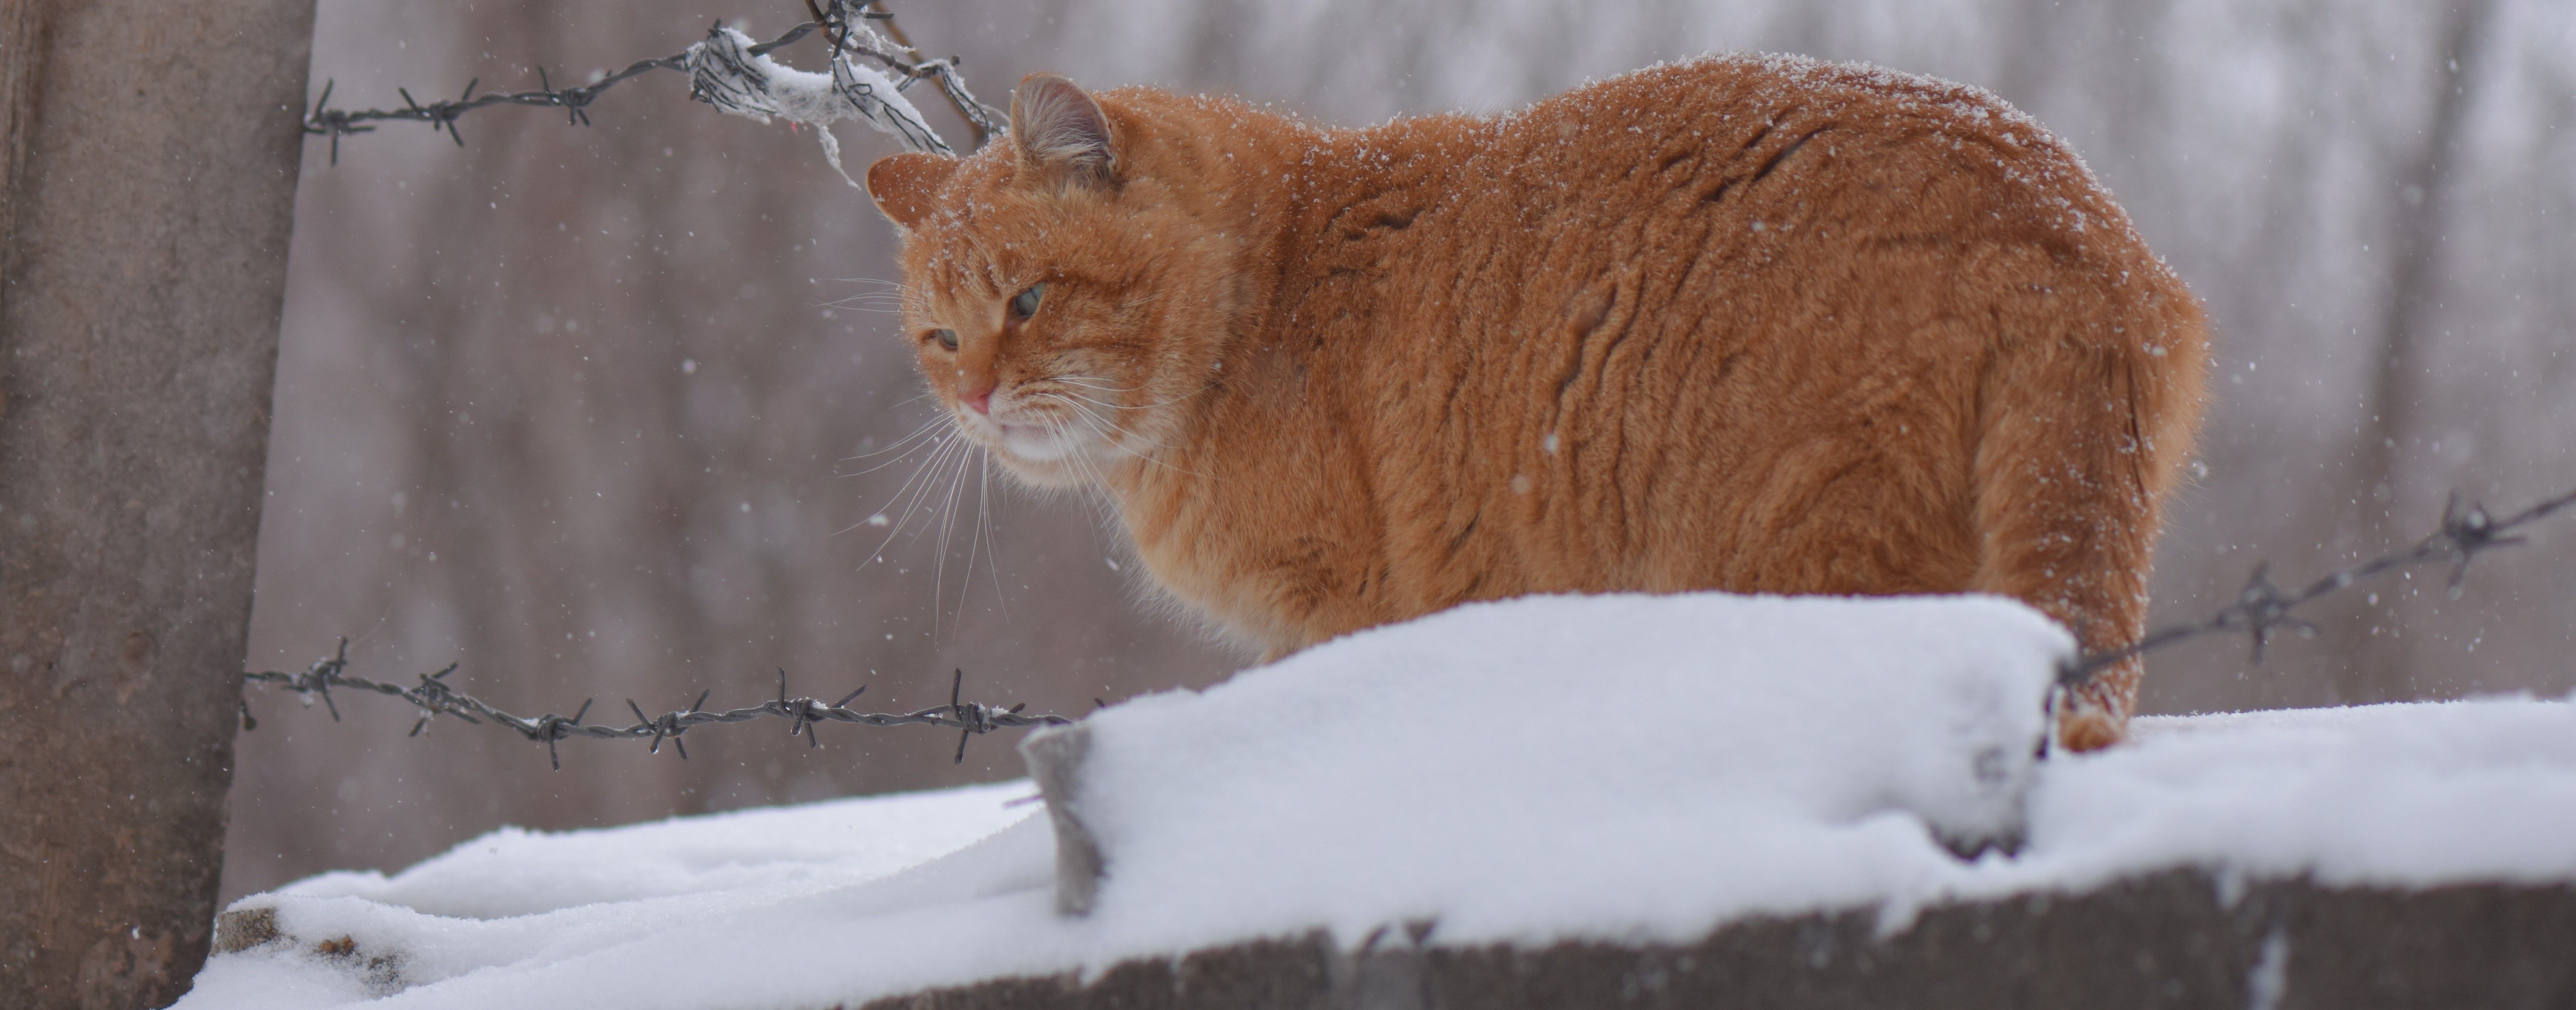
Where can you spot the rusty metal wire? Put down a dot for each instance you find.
(433, 697)
(730, 72)
(2262, 608)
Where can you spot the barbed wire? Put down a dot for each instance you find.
(434, 698)
(851, 26)
(2263, 608)
(731, 72)
(442, 114)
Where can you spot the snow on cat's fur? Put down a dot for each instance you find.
(1758, 325)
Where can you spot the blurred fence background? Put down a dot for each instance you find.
(585, 409)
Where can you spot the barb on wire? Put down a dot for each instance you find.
(2263, 609)
(434, 697)
(733, 73)
(851, 26)
(442, 114)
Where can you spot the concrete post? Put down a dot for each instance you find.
(148, 156)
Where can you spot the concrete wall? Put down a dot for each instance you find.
(2178, 939)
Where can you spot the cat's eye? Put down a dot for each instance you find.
(1025, 304)
(946, 338)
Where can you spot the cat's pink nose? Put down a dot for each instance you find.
(979, 400)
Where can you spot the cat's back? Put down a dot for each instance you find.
(1751, 186)
(1775, 139)
(1732, 323)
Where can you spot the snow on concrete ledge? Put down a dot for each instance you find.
(1599, 764)
(1629, 770)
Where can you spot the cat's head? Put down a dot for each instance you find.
(1065, 291)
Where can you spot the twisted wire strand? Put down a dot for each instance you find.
(722, 75)
(434, 697)
(2262, 609)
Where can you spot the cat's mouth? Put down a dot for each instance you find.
(1034, 442)
(1020, 437)
(1035, 431)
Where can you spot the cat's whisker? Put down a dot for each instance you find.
(947, 530)
(1102, 403)
(922, 497)
(864, 305)
(1082, 412)
(938, 445)
(932, 425)
(897, 302)
(1108, 434)
(903, 518)
(889, 292)
(1112, 434)
(887, 297)
(906, 454)
(1117, 433)
(956, 499)
(938, 592)
(1086, 382)
(1096, 487)
(888, 463)
(879, 512)
(923, 479)
(993, 543)
(1079, 462)
(1203, 387)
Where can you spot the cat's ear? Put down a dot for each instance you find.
(903, 184)
(1061, 134)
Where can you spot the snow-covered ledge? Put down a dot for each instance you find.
(1658, 795)
(1565, 760)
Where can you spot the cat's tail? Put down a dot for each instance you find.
(2087, 409)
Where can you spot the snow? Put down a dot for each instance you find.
(1633, 739)
(1621, 768)
(764, 88)
(513, 872)
(2403, 794)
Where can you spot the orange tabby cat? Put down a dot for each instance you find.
(1757, 325)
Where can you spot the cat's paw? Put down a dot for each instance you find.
(2090, 731)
